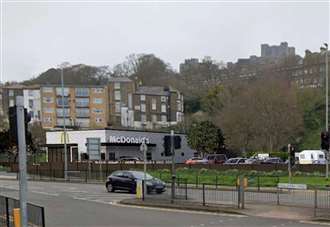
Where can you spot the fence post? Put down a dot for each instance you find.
(196, 180)
(203, 194)
(258, 180)
(216, 181)
(238, 189)
(186, 189)
(7, 212)
(43, 217)
(315, 202)
(143, 191)
(278, 195)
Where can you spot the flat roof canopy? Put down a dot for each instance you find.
(127, 144)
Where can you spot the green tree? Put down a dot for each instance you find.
(205, 137)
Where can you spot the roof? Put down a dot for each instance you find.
(119, 79)
(152, 91)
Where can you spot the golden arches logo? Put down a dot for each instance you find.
(65, 137)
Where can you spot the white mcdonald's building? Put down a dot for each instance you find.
(114, 145)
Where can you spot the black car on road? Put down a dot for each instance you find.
(127, 180)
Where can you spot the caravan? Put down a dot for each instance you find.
(312, 157)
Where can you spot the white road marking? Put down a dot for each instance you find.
(315, 223)
(45, 193)
(181, 211)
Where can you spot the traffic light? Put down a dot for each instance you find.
(292, 155)
(13, 123)
(167, 146)
(325, 141)
(177, 142)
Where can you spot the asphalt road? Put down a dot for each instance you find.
(68, 204)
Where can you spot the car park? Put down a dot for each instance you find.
(216, 158)
(235, 161)
(273, 160)
(252, 161)
(127, 180)
(195, 160)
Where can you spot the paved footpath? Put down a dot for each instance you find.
(79, 205)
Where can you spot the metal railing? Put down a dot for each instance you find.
(36, 214)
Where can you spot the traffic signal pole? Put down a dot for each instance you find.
(173, 168)
(289, 163)
(22, 160)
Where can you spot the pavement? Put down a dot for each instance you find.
(79, 205)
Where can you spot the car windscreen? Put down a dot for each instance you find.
(140, 176)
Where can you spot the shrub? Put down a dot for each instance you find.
(203, 170)
(298, 173)
(232, 172)
(253, 173)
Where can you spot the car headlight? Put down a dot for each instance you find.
(148, 183)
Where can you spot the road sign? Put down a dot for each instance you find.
(292, 186)
(143, 147)
(94, 148)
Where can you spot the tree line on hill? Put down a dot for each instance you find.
(221, 115)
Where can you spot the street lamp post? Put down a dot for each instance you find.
(62, 66)
(325, 49)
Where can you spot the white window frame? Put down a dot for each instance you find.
(117, 95)
(163, 118)
(153, 104)
(98, 101)
(142, 98)
(163, 108)
(117, 107)
(117, 85)
(143, 107)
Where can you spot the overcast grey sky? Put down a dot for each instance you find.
(37, 36)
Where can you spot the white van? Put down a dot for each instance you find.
(312, 157)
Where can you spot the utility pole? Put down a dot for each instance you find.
(326, 49)
(173, 167)
(64, 129)
(289, 163)
(144, 149)
(22, 159)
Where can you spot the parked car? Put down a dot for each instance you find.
(235, 161)
(252, 161)
(126, 180)
(129, 159)
(274, 160)
(195, 160)
(216, 158)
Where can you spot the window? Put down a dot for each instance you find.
(143, 98)
(117, 95)
(47, 120)
(153, 104)
(130, 103)
(163, 98)
(97, 111)
(321, 156)
(117, 107)
(163, 108)
(11, 93)
(143, 118)
(117, 85)
(98, 100)
(82, 122)
(164, 118)
(83, 92)
(82, 102)
(11, 103)
(47, 89)
(154, 118)
(59, 112)
(59, 91)
(98, 120)
(179, 106)
(137, 107)
(48, 110)
(48, 99)
(65, 101)
(30, 103)
(60, 121)
(98, 90)
(82, 112)
(143, 107)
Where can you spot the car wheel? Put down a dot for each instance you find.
(110, 188)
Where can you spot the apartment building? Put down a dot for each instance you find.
(84, 106)
(31, 95)
(120, 101)
(9, 94)
(156, 107)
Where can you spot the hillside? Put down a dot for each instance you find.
(75, 74)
